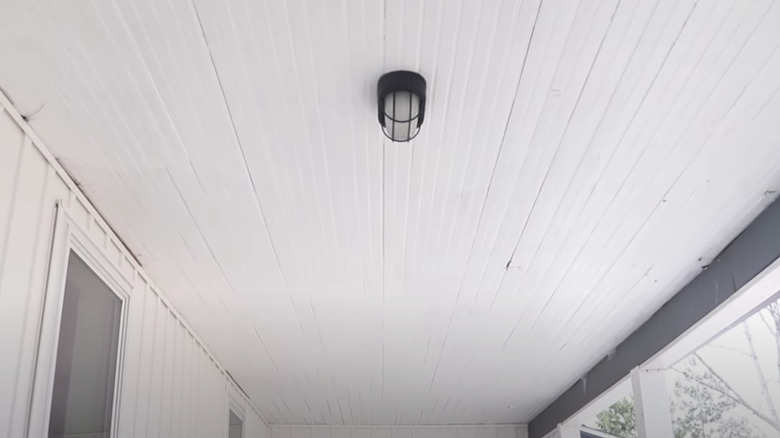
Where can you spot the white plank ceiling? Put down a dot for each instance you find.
(580, 162)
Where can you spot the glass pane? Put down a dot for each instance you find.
(401, 131)
(83, 390)
(236, 429)
(730, 387)
(401, 110)
(619, 420)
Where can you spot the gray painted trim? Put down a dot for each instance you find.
(746, 256)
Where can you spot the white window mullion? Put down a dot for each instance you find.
(651, 401)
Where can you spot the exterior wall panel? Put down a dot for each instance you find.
(171, 386)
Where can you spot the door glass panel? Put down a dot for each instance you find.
(236, 427)
(619, 421)
(83, 391)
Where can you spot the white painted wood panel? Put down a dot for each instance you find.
(477, 431)
(171, 386)
(580, 161)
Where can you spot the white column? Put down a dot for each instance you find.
(565, 431)
(651, 401)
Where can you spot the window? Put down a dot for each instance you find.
(618, 420)
(236, 426)
(86, 361)
(731, 385)
(728, 387)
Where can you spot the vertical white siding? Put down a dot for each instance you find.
(486, 431)
(171, 386)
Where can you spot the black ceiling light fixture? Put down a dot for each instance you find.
(401, 104)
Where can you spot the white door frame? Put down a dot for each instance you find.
(69, 237)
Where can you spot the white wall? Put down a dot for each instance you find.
(486, 431)
(171, 385)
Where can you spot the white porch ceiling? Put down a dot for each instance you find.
(580, 162)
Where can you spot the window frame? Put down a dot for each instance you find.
(69, 237)
(235, 406)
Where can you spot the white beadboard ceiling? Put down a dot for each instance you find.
(580, 162)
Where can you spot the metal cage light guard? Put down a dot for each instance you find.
(401, 104)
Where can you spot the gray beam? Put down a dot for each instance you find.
(746, 256)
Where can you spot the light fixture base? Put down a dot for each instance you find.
(410, 86)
